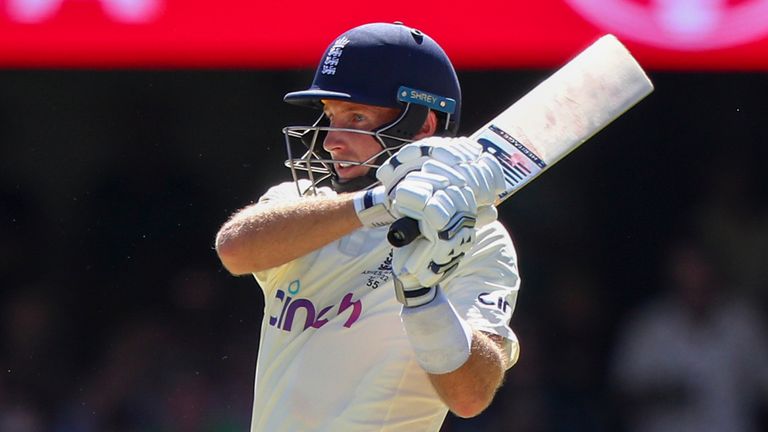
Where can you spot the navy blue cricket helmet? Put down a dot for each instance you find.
(369, 64)
(386, 65)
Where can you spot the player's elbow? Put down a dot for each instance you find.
(475, 396)
(232, 252)
(470, 405)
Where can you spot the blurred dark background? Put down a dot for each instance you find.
(117, 316)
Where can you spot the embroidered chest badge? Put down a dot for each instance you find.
(381, 274)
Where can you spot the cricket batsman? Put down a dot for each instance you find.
(358, 335)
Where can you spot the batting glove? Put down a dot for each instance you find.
(446, 214)
(461, 160)
(412, 156)
(484, 174)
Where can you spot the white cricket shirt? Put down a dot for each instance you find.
(333, 355)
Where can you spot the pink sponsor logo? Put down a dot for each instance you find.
(688, 25)
(314, 316)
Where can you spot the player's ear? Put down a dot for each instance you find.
(429, 127)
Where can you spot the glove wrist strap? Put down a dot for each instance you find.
(413, 297)
(371, 207)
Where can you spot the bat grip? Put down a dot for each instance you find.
(403, 231)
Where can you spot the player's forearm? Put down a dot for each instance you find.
(263, 236)
(469, 389)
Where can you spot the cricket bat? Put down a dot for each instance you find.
(555, 118)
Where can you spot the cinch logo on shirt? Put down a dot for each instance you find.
(501, 303)
(313, 317)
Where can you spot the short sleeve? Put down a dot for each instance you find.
(484, 288)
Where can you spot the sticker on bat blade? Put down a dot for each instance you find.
(519, 163)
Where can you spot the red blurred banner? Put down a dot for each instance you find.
(663, 34)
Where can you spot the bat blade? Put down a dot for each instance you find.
(556, 117)
(564, 111)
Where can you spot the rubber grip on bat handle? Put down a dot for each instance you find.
(403, 231)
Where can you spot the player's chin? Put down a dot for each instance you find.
(350, 172)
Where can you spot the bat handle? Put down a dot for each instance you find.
(403, 231)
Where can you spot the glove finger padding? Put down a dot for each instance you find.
(445, 254)
(457, 150)
(410, 265)
(494, 171)
(408, 159)
(409, 260)
(485, 215)
(424, 263)
(411, 195)
(460, 173)
(446, 212)
(457, 234)
(440, 208)
(483, 175)
(440, 168)
(412, 156)
(450, 194)
(477, 176)
(447, 223)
